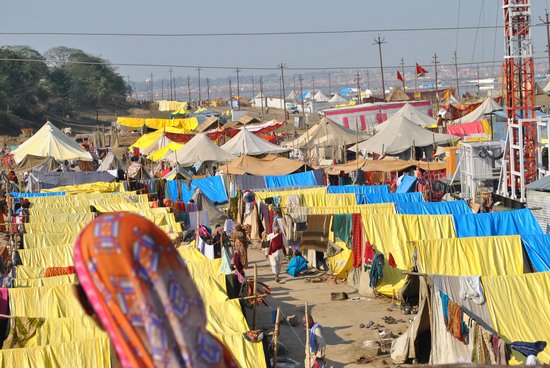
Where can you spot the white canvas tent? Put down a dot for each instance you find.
(49, 141)
(247, 143)
(200, 148)
(326, 133)
(338, 99)
(110, 162)
(409, 112)
(291, 96)
(401, 136)
(487, 107)
(547, 87)
(320, 97)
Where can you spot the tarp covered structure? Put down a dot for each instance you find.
(247, 143)
(487, 107)
(515, 222)
(49, 141)
(433, 208)
(212, 122)
(212, 187)
(388, 164)
(111, 162)
(200, 148)
(466, 129)
(165, 151)
(31, 162)
(400, 136)
(326, 133)
(411, 113)
(268, 165)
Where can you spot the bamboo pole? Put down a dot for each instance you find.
(276, 338)
(307, 337)
(356, 150)
(255, 304)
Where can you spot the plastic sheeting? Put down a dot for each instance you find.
(99, 187)
(389, 197)
(393, 233)
(305, 179)
(517, 222)
(45, 301)
(489, 255)
(58, 256)
(407, 183)
(433, 208)
(32, 195)
(364, 209)
(85, 353)
(519, 308)
(538, 250)
(358, 189)
(212, 187)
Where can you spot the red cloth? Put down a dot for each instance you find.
(180, 206)
(356, 236)
(276, 244)
(58, 271)
(466, 129)
(391, 261)
(420, 71)
(400, 77)
(369, 252)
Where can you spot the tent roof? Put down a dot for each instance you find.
(247, 143)
(337, 98)
(178, 170)
(326, 133)
(37, 163)
(210, 123)
(165, 151)
(268, 165)
(150, 138)
(547, 87)
(388, 164)
(397, 94)
(401, 136)
(410, 112)
(320, 97)
(110, 162)
(487, 107)
(49, 141)
(291, 96)
(246, 119)
(199, 148)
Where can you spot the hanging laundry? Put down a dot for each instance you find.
(21, 331)
(471, 288)
(445, 307)
(529, 348)
(58, 271)
(341, 226)
(391, 261)
(357, 238)
(376, 272)
(456, 325)
(482, 351)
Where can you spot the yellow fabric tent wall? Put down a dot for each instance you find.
(519, 309)
(54, 227)
(393, 234)
(163, 152)
(44, 218)
(45, 281)
(264, 195)
(131, 122)
(45, 301)
(58, 256)
(489, 255)
(98, 187)
(187, 124)
(42, 240)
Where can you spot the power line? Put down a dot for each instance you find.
(254, 34)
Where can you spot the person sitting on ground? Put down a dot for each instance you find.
(135, 285)
(297, 264)
(277, 251)
(315, 357)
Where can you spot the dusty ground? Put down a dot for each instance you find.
(340, 319)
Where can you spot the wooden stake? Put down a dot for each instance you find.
(307, 337)
(276, 338)
(254, 306)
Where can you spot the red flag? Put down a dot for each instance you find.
(420, 71)
(400, 77)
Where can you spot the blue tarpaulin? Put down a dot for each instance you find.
(389, 197)
(406, 184)
(212, 187)
(305, 179)
(517, 222)
(358, 189)
(31, 195)
(538, 250)
(433, 208)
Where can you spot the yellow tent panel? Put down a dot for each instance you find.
(45, 301)
(98, 187)
(165, 151)
(45, 281)
(131, 122)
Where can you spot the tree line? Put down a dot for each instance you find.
(62, 81)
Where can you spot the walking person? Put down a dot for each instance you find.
(277, 252)
(240, 244)
(315, 357)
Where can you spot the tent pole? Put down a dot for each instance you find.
(306, 316)
(356, 150)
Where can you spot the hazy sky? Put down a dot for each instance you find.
(332, 51)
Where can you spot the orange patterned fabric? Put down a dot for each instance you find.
(58, 271)
(143, 294)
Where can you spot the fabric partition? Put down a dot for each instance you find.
(325, 200)
(488, 255)
(433, 208)
(58, 256)
(53, 227)
(261, 195)
(389, 197)
(407, 183)
(519, 309)
(45, 281)
(305, 179)
(44, 240)
(50, 180)
(67, 217)
(32, 195)
(393, 233)
(99, 187)
(244, 182)
(516, 222)
(358, 189)
(45, 302)
(212, 187)
(538, 250)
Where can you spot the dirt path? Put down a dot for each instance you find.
(340, 319)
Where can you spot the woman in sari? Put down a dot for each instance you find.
(240, 244)
(138, 288)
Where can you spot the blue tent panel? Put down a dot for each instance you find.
(406, 184)
(517, 222)
(389, 197)
(433, 208)
(538, 250)
(212, 187)
(305, 179)
(31, 195)
(358, 189)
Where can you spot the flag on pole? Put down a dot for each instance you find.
(400, 77)
(420, 71)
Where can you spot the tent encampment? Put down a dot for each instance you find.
(268, 165)
(487, 107)
(400, 136)
(49, 141)
(199, 149)
(326, 133)
(410, 112)
(320, 97)
(247, 143)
